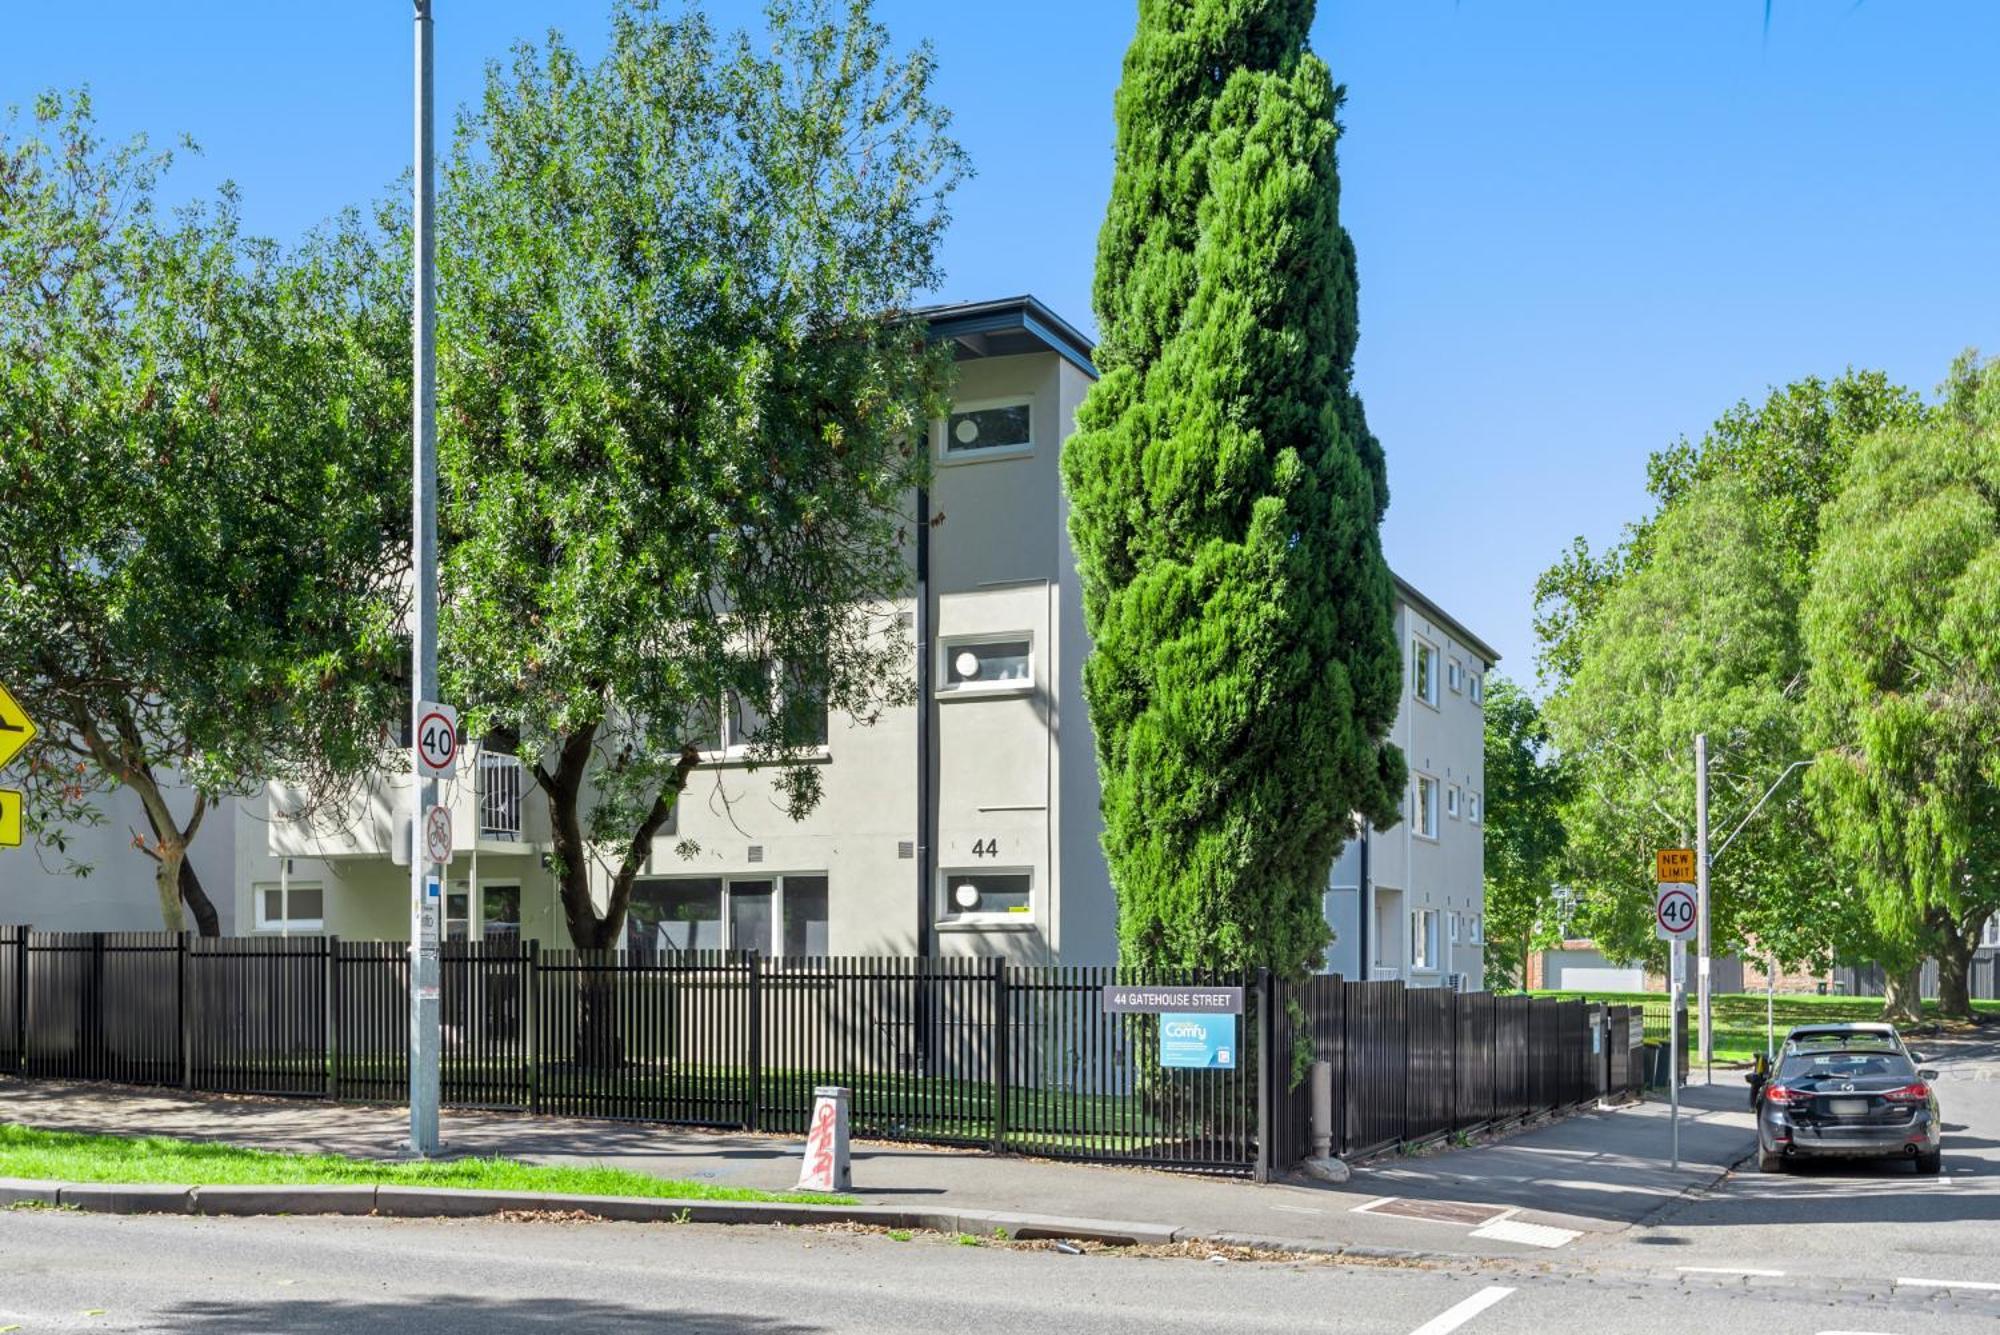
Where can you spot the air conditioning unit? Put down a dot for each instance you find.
(1458, 982)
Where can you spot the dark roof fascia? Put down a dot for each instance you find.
(1411, 594)
(1022, 313)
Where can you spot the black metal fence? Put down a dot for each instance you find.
(1415, 1064)
(971, 1052)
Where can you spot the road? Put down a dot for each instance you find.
(1844, 1249)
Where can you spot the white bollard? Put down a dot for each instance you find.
(826, 1166)
(1322, 1107)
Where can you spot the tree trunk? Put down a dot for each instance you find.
(1956, 945)
(167, 882)
(1902, 994)
(198, 903)
(599, 1038)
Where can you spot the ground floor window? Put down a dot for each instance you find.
(499, 912)
(986, 897)
(300, 907)
(769, 914)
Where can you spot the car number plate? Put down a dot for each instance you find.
(1849, 1107)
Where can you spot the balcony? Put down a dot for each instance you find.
(499, 796)
(485, 800)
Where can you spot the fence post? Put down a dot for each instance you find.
(531, 1019)
(1000, 1054)
(332, 995)
(185, 1005)
(21, 998)
(756, 1036)
(1267, 1066)
(94, 1044)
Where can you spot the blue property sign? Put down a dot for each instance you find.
(1198, 1040)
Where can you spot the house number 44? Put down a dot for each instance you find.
(986, 848)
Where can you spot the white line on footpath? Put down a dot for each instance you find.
(1950, 1284)
(1728, 1270)
(1531, 1235)
(1453, 1317)
(1379, 1200)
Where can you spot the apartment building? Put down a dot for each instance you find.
(966, 824)
(1409, 902)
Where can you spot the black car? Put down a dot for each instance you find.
(1848, 1092)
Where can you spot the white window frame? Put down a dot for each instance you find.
(1473, 689)
(1454, 674)
(739, 753)
(1424, 670)
(1989, 935)
(1424, 815)
(947, 918)
(1478, 929)
(951, 644)
(269, 924)
(941, 432)
(1451, 804)
(1425, 951)
(1472, 806)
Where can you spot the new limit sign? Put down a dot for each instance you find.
(1197, 1024)
(1675, 918)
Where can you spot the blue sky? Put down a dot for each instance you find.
(1585, 227)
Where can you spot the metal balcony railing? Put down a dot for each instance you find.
(499, 796)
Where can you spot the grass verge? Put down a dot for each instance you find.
(71, 1156)
(1739, 1016)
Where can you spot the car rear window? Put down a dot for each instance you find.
(1846, 1063)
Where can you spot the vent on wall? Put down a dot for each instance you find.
(906, 849)
(756, 852)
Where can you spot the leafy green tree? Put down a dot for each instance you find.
(1225, 500)
(1527, 785)
(200, 490)
(1903, 625)
(682, 408)
(1691, 625)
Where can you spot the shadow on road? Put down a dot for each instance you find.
(449, 1313)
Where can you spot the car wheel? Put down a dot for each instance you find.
(1772, 1163)
(1931, 1163)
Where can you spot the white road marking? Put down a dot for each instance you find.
(1728, 1270)
(1949, 1284)
(1453, 1317)
(1379, 1200)
(1534, 1235)
(1853, 1332)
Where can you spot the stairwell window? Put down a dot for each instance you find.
(988, 429)
(1474, 690)
(1427, 807)
(1451, 801)
(987, 664)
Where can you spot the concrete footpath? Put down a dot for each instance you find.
(1530, 1192)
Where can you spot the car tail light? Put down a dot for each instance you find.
(1780, 1095)
(1917, 1093)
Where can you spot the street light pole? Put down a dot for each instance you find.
(1701, 900)
(424, 902)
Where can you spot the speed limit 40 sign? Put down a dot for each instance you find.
(437, 740)
(1674, 911)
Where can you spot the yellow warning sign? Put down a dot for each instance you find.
(1674, 865)
(10, 818)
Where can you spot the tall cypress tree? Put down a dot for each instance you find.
(1226, 498)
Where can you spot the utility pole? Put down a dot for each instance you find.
(424, 881)
(1707, 1034)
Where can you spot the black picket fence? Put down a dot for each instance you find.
(973, 1052)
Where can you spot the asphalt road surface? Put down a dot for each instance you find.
(62, 1271)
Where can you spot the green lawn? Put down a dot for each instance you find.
(1739, 1016)
(69, 1156)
